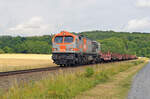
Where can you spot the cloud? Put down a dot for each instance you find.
(138, 25)
(35, 25)
(143, 3)
(53, 16)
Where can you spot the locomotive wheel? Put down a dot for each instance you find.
(61, 65)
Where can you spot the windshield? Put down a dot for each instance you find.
(68, 39)
(58, 39)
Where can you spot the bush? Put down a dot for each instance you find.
(103, 76)
(138, 62)
(89, 72)
(8, 49)
(1, 51)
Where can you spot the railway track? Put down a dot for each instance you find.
(8, 73)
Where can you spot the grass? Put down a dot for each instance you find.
(9, 62)
(124, 85)
(117, 87)
(69, 84)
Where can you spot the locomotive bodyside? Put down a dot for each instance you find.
(70, 49)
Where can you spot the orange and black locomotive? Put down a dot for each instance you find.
(70, 49)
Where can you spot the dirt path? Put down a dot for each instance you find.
(111, 89)
(141, 85)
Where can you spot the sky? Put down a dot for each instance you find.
(44, 17)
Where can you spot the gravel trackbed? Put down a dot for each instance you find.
(140, 88)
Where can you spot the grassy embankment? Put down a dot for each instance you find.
(70, 84)
(9, 62)
(117, 87)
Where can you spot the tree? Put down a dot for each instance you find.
(37, 47)
(8, 49)
(1, 51)
(117, 42)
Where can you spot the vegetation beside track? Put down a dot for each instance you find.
(117, 87)
(70, 84)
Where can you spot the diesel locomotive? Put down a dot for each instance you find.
(71, 49)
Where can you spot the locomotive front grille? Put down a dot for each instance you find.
(63, 56)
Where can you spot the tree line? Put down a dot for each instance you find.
(122, 42)
(116, 42)
(35, 44)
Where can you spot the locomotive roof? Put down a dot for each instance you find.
(87, 37)
(80, 36)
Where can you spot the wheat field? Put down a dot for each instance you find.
(10, 62)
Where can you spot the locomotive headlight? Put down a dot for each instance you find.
(55, 49)
(70, 49)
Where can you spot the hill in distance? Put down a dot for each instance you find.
(116, 42)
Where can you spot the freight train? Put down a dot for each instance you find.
(69, 49)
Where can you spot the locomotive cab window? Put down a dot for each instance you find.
(79, 37)
(68, 39)
(58, 39)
